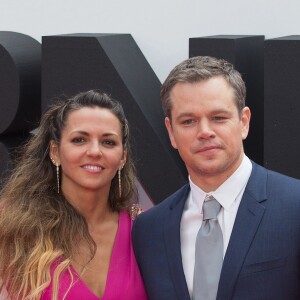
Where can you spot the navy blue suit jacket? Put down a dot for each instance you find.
(262, 259)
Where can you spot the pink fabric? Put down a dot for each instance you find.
(123, 280)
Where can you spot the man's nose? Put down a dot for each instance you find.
(205, 130)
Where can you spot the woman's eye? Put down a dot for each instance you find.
(78, 140)
(109, 142)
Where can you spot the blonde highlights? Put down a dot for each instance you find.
(40, 229)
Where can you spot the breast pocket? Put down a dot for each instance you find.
(262, 266)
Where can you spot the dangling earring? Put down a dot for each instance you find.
(57, 177)
(57, 173)
(120, 184)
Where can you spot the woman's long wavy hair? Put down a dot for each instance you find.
(38, 226)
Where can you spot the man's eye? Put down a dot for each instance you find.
(78, 140)
(218, 118)
(188, 122)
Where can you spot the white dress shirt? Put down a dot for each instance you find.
(229, 195)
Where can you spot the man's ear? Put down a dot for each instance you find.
(168, 124)
(245, 121)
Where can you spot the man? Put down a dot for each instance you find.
(252, 243)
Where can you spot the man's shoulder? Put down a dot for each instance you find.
(274, 180)
(168, 203)
(274, 175)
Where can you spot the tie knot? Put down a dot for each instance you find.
(211, 208)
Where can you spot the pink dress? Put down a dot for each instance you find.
(124, 280)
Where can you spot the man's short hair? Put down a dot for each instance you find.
(201, 68)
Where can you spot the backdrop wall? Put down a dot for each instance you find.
(160, 28)
(162, 32)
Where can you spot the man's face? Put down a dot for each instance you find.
(207, 130)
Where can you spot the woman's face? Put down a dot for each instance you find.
(91, 150)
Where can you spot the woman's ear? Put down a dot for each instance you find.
(123, 159)
(54, 153)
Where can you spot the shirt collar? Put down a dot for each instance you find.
(229, 190)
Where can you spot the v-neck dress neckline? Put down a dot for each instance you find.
(123, 279)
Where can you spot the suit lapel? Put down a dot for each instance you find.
(247, 221)
(172, 243)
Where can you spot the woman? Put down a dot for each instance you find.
(67, 208)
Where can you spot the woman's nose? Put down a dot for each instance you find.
(94, 149)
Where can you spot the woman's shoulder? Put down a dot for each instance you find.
(131, 213)
(134, 211)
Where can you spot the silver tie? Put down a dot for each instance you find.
(208, 253)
